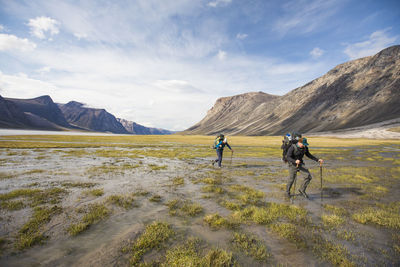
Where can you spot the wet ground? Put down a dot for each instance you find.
(85, 202)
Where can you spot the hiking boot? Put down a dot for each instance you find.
(303, 193)
(212, 163)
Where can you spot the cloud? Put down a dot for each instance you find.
(217, 3)
(301, 17)
(317, 52)
(41, 25)
(1, 28)
(221, 55)
(13, 43)
(241, 36)
(377, 41)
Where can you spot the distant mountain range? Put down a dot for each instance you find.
(43, 114)
(353, 94)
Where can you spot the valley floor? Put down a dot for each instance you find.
(158, 201)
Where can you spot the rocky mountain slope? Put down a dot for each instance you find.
(135, 128)
(353, 94)
(98, 120)
(43, 114)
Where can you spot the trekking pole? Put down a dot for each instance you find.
(320, 175)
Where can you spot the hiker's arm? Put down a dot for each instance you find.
(289, 155)
(308, 154)
(229, 146)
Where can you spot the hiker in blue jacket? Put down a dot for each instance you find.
(219, 144)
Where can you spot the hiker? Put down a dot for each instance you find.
(295, 156)
(219, 144)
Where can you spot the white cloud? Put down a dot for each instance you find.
(221, 55)
(241, 36)
(302, 17)
(13, 43)
(217, 3)
(317, 52)
(1, 28)
(376, 42)
(41, 25)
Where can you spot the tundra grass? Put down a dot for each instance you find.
(12, 205)
(177, 181)
(78, 184)
(98, 192)
(188, 254)
(290, 232)
(385, 215)
(93, 213)
(31, 233)
(124, 201)
(216, 221)
(251, 246)
(155, 198)
(332, 220)
(153, 236)
(179, 207)
(36, 196)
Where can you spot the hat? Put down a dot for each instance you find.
(305, 141)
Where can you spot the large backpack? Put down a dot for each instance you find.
(288, 140)
(218, 139)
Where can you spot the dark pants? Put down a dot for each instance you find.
(293, 174)
(219, 155)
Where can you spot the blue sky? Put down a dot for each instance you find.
(163, 63)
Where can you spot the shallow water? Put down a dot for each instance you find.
(101, 243)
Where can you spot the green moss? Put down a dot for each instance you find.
(247, 194)
(12, 205)
(154, 236)
(290, 232)
(191, 209)
(251, 246)
(93, 214)
(31, 232)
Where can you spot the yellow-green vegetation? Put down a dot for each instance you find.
(270, 213)
(178, 181)
(153, 236)
(346, 235)
(386, 215)
(216, 221)
(230, 205)
(179, 207)
(335, 209)
(35, 196)
(31, 232)
(332, 221)
(78, 184)
(12, 205)
(335, 253)
(124, 201)
(188, 254)
(98, 192)
(290, 232)
(251, 246)
(93, 213)
(155, 198)
(155, 167)
(247, 194)
(210, 188)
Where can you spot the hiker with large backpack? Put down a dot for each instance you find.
(219, 144)
(294, 156)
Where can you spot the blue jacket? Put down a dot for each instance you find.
(221, 145)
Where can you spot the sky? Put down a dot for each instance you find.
(164, 63)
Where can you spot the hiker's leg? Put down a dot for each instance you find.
(292, 176)
(219, 153)
(307, 179)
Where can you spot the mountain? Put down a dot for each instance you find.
(42, 107)
(92, 119)
(353, 94)
(135, 128)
